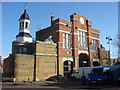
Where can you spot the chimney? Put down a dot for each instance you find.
(52, 19)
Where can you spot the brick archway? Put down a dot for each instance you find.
(84, 57)
(96, 63)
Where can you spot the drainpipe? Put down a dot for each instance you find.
(73, 51)
(34, 77)
(88, 43)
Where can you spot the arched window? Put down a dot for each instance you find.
(26, 25)
(96, 63)
(23, 50)
(22, 25)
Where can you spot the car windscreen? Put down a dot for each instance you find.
(96, 72)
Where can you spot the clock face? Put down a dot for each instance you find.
(82, 20)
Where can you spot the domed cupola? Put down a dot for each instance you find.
(24, 28)
(25, 15)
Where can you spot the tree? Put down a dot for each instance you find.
(116, 45)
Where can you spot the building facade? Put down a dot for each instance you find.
(30, 60)
(76, 40)
(56, 51)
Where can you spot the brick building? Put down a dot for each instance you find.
(76, 40)
(57, 49)
(104, 57)
(30, 60)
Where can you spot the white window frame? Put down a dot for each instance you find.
(95, 45)
(82, 38)
(66, 40)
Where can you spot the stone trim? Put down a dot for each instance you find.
(94, 58)
(64, 24)
(66, 32)
(83, 49)
(60, 42)
(82, 30)
(43, 54)
(94, 38)
(74, 19)
(89, 24)
(95, 32)
(60, 47)
(69, 56)
(46, 43)
(63, 31)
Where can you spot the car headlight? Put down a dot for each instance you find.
(99, 79)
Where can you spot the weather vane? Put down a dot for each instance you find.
(25, 6)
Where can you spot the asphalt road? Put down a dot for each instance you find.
(62, 85)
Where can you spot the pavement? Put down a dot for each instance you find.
(64, 84)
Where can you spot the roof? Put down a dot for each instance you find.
(22, 34)
(25, 15)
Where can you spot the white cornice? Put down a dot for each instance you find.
(82, 30)
(64, 24)
(45, 54)
(95, 32)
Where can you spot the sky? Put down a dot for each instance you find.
(104, 17)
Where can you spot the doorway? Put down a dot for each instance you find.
(68, 68)
(84, 57)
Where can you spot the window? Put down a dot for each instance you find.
(26, 25)
(66, 40)
(22, 25)
(95, 45)
(96, 72)
(23, 50)
(82, 38)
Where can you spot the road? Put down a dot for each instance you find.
(61, 85)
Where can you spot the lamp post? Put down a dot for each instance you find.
(83, 77)
(108, 42)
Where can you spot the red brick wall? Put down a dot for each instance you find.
(60, 24)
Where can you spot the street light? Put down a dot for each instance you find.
(83, 77)
(108, 42)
